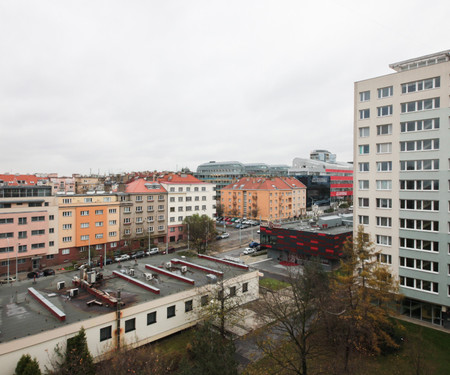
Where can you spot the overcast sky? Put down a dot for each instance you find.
(116, 86)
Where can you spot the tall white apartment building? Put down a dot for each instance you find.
(402, 178)
(187, 196)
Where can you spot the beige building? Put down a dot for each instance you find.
(402, 163)
(143, 213)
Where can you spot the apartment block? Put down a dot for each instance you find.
(87, 222)
(268, 199)
(402, 178)
(28, 233)
(143, 212)
(187, 196)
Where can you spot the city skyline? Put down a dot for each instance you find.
(109, 87)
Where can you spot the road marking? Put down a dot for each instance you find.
(260, 261)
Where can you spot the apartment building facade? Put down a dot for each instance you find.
(402, 178)
(28, 233)
(187, 196)
(88, 225)
(267, 199)
(143, 212)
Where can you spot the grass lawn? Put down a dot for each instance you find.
(425, 351)
(272, 284)
(175, 343)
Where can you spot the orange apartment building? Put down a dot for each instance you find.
(87, 220)
(266, 199)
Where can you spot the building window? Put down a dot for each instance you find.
(363, 219)
(420, 145)
(419, 165)
(232, 291)
(364, 114)
(23, 248)
(419, 185)
(364, 132)
(188, 306)
(38, 218)
(112, 222)
(419, 264)
(363, 184)
(364, 149)
(139, 231)
(105, 333)
(383, 240)
(84, 225)
(384, 166)
(364, 96)
(22, 221)
(384, 203)
(425, 84)
(419, 205)
(99, 235)
(65, 252)
(112, 210)
(363, 202)
(85, 237)
(420, 245)
(151, 318)
(420, 105)
(84, 213)
(419, 125)
(204, 300)
(170, 311)
(384, 129)
(38, 232)
(363, 167)
(87, 200)
(384, 221)
(99, 224)
(384, 184)
(67, 213)
(130, 325)
(384, 148)
(385, 92)
(424, 285)
(67, 239)
(99, 212)
(385, 110)
(244, 287)
(420, 225)
(22, 234)
(67, 226)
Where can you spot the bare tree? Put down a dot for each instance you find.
(296, 314)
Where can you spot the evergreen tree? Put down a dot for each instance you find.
(363, 294)
(209, 353)
(78, 359)
(27, 366)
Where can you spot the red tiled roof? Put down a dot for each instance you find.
(175, 178)
(22, 179)
(262, 183)
(139, 186)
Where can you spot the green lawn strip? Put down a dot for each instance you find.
(175, 343)
(272, 284)
(424, 351)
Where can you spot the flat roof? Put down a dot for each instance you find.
(22, 315)
(305, 227)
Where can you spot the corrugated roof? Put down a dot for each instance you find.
(262, 183)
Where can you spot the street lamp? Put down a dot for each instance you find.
(188, 235)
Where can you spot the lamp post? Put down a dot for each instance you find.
(7, 239)
(17, 256)
(148, 238)
(188, 235)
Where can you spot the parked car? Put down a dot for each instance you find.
(108, 261)
(138, 254)
(8, 280)
(249, 250)
(244, 226)
(219, 237)
(122, 258)
(253, 244)
(237, 226)
(49, 272)
(153, 251)
(258, 231)
(35, 274)
(225, 235)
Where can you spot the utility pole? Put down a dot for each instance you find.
(118, 319)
